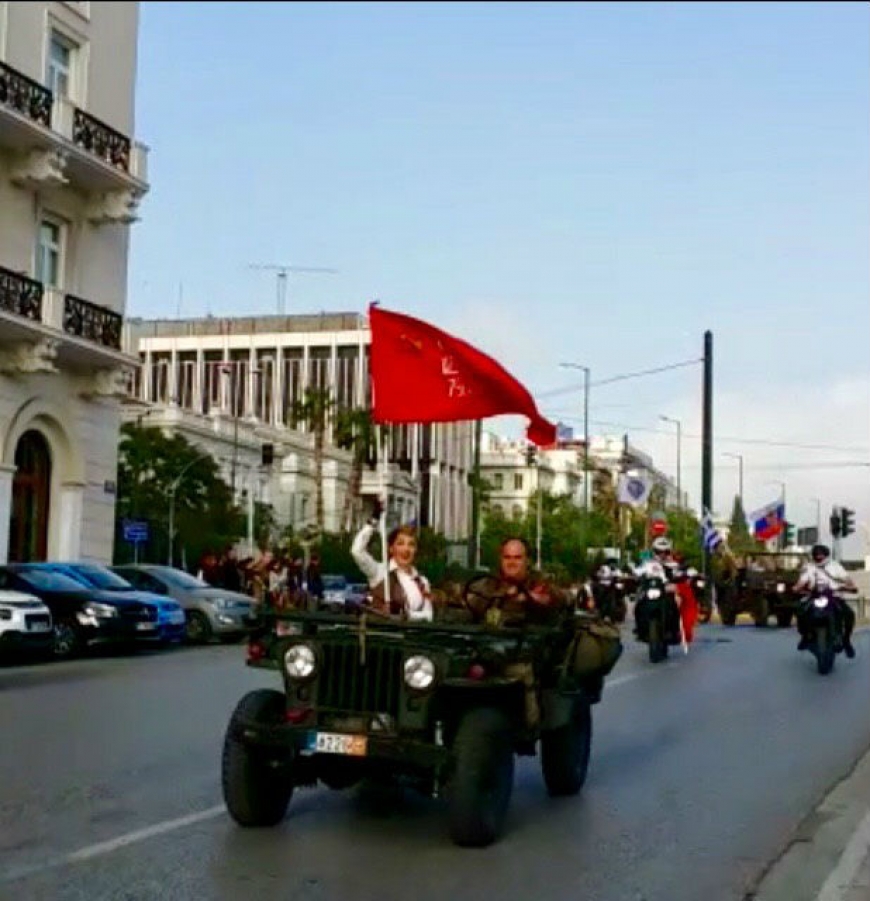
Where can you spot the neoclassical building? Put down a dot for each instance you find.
(229, 386)
(71, 176)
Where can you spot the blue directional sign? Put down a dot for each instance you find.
(135, 530)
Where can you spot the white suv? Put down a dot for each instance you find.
(25, 623)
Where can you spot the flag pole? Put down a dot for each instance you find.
(383, 523)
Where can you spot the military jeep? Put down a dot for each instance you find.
(763, 587)
(427, 705)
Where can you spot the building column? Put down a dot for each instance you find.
(146, 377)
(6, 475)
(252, 386)
(199, 381)
(172, 392)
(69, 535)
(278, 388)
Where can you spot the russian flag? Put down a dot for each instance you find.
(769, 521)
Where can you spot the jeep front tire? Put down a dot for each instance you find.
(256, 791)
(481, 781)
(565, 753)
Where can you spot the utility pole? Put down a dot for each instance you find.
(707, 443)
(283, 272)
(585, 370)
(818, 502)
(540, 513)
(474, 539)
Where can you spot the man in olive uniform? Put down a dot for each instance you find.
(513, 596)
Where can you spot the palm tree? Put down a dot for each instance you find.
(355, 431)
(314, 410)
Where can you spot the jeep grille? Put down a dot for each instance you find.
(346, 685)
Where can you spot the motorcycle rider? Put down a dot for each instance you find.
(824, 573)
(661, 564)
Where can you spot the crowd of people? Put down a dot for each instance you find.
(275, 579)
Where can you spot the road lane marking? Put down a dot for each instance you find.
(107, 847)
(837, 886)
(139, 835)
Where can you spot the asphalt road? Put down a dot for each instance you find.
(701, 768)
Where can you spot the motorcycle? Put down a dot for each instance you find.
(824, 627)
(610, 599)
(657, 617)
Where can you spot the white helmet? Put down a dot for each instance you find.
(661, 545)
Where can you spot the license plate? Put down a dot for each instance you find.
(145, 627)
(334, 743)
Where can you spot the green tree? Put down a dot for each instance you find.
(151, 467)
(355, 431)
(314, 411)
(739, 538)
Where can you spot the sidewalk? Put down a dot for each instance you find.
(828, 856)
(850, 879)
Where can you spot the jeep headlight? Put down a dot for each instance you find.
(419, 672)
(300, 661)
(780, 587)
(821, 603)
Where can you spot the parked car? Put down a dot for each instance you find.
(81, 616)
(211, 612)
(25, 624)
(356, 595)
(171, 622)
(335, 589)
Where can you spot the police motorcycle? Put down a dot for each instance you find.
(821, 612)
(657, 615)
(609, 590)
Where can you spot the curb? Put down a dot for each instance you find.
(827, 858)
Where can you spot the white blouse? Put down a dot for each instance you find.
(417, 604)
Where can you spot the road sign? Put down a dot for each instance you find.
(135, 530)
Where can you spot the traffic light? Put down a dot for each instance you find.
(267, 454)
(836, 525)
(789, 534)
(531, 455)
(847, 521)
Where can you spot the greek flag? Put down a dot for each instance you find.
(709, 533)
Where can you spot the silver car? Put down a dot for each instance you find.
(210, 611)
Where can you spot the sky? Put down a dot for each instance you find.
(586, 183)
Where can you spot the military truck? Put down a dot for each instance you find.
(426, 704)
(762, 585)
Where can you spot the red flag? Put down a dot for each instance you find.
(688, 609)
(421, 374)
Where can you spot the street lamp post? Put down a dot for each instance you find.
(173, 488)
(818, 502)
(739, 459)
(679, 426)
(585, 370)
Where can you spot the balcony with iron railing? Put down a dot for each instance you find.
(31, 312)
(98, 157)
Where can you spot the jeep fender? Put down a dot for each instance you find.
(457, 696)
(558, 707)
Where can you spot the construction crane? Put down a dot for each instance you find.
(283, 272)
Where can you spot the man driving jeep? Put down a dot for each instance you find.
(515, 594)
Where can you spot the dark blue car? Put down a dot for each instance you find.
(170, 614)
